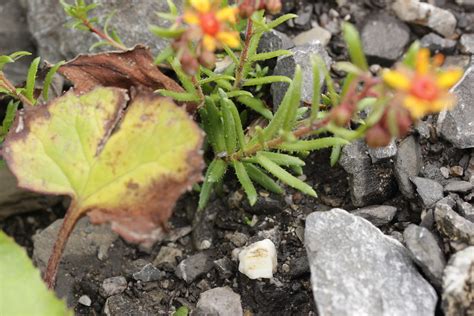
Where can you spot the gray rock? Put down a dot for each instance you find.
(466, 3)
(426, 252)
(286, 66)
(422, 13)
(458, 295)
(193, 267)
(447, 200)
(85, 240)
(203, 225)
(437, 43)
(220, 301)
(467, 43)
(408, 162)
(148, 274)
(224, 267)
(128, 305)
(274, 40)
(14, 36)
(132, 18)
(459, 187)
(383, 153)
(466, 210)
(428, 190)
(357, 270)
(456, 125)
(455, 227)
(378, 215)
(316, 34)
(237, 238)
(167, 255)
(304, 17)
(384, 38)
(369, 183)
(113, 286)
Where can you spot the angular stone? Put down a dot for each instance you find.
(369, 183)
(286, 66)
(224, 267)
(193, 267)
(458, 282)
(113, 286)
(466, 210)
(457, 125)
(274, 40)
(220, 301)
(378, 215)
(426, 252)
(467, 43)
(384, 38)
(316, 34)
(357, 270)
(428, 190)
(383, 153)
(422, 13)
(148, 274)
(14, 36)
(131, 20)
(455, 227)
(258, 260)
(408, 163)
(436, 43)
(459, 187)
(167, 255)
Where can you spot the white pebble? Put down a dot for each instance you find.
(85, 300)
(259, 260)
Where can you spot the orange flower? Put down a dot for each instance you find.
(425, 89)
(214, 23)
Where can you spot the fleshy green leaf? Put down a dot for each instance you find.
(283, 159)
(166, 32)
(244, 179)
(313, 144)
(22, 290)
(335, 155)
(354, 45)
(260, 177)
(285, 176)
(72, 146)
(281, 19)
(265, 80)
(31, 80)
(410, 57)
(270, 55)
(179, 96)
(219, 168)
(257, 105)
(182, 311)
(9, 118)
(49, 79)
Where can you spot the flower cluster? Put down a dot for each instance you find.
(416, 92)
(211, 26)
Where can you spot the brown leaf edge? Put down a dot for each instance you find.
(124, 69)
(141, 227)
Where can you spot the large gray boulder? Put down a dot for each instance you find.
(457, 125)
(357, 270)
(46, 19)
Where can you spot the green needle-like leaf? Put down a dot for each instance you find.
(260, 177)
(244, 179)
(354, 45)
(285, 176)
(313, 144)
(31, 80)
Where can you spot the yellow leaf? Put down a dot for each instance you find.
(129, 173)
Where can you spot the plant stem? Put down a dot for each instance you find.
(103, 36)
(303, 131)
(244, 54)
(69, 222)
(11, 88)
(199, 90)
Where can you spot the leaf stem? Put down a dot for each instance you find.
(69, 222)
(244, 54)
(4, 82)
(103, 35)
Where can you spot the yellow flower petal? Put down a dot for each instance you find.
(209, 43)
(449, 78)
(423, 61)
(230, 39)
(202, 6)
(396, 80)
(191, 18)
(417, 107)
(227, 14)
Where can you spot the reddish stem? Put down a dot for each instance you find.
(104, 36)
(243, 55)
(69, 222)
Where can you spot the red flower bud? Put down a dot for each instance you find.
(189, 63)
(207, 59)
(377, 136)
(273, 6)
(341, 115)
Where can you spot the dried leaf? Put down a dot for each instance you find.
(132, 68)
(129, 174)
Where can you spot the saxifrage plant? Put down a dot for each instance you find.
(98, 148)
